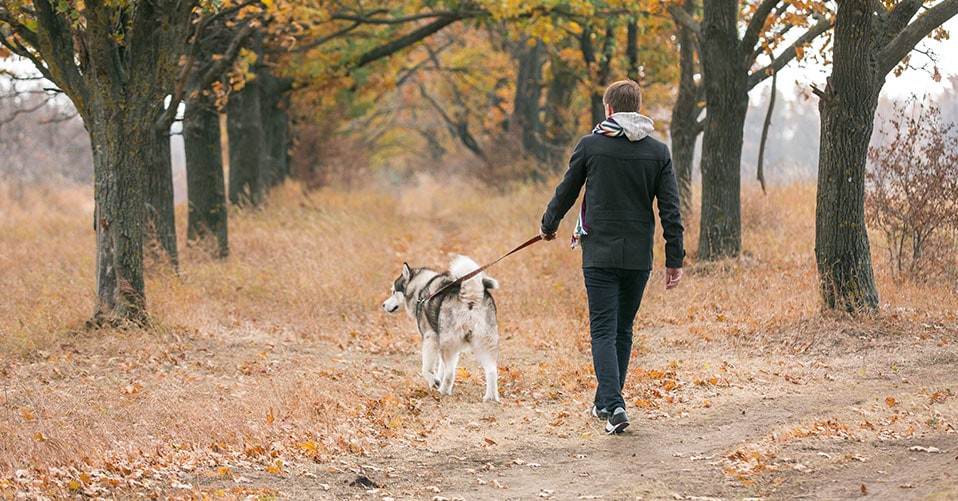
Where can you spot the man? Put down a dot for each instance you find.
(623, 170)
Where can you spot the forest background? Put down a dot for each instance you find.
(267, 369)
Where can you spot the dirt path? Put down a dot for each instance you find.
(836, 416)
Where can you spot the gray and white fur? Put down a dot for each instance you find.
(459, 318)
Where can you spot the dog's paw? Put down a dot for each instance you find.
(491, 398)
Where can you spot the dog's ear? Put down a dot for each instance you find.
(406, 271)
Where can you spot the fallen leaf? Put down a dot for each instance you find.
(864, 489)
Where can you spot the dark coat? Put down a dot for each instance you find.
(622, 177)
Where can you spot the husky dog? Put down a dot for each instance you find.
(458, 318)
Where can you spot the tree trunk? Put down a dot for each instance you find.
(685, 127)
(160, 214)
(123, 146)
(599, 65)
(276, 123)
(633, 71)
(528, 93)
(725, 77)
(559, 123)
(247, 146)
(847, 107)
(204, 174)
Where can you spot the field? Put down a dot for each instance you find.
(276, 374)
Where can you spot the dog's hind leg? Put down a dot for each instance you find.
(450, 359)
(430, 359)
(488, 360)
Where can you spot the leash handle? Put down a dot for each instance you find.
(479, 270)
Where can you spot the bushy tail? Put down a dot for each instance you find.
(472, 290)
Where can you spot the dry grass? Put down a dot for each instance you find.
(265, 356)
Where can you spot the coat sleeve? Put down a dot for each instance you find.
(670, 214)
(567, 191)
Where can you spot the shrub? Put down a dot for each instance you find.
(910, 189)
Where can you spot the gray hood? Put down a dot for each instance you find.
(635, 125)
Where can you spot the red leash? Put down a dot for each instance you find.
(480, 270)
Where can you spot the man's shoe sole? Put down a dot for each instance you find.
(615, 429)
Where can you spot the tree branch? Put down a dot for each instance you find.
(681, 17)
(789, 54)
(369, 19)
(756, 24)
(60, 66)
(327, 38)
(906, 39)
(402, 42)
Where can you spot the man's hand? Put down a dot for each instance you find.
(672, 277)
(547, 236)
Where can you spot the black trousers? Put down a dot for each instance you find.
(614, 298)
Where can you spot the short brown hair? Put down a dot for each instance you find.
(623, 96)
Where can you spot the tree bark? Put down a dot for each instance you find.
(725, 77)
(868, 45)
(205, 181)
(123, 146)
(847, 108)
(528, 94)
(559, 121)
(686, 127)
(247, 146)
(160, 211)
(275, 102)
(599, 65)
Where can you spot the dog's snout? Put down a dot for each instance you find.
(390, 305)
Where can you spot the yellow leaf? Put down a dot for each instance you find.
(270, 417)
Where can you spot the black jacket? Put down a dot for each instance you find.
(622, 177)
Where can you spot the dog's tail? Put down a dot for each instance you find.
(472, 290)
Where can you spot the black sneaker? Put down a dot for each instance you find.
(618, 421)
(602, 413)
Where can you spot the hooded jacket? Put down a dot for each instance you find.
(622, 176)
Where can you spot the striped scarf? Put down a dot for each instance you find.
(609, 127)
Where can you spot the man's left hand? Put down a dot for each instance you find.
(672, 277)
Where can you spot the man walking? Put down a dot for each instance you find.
(623, 170)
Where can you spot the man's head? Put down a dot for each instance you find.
(623, 96)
